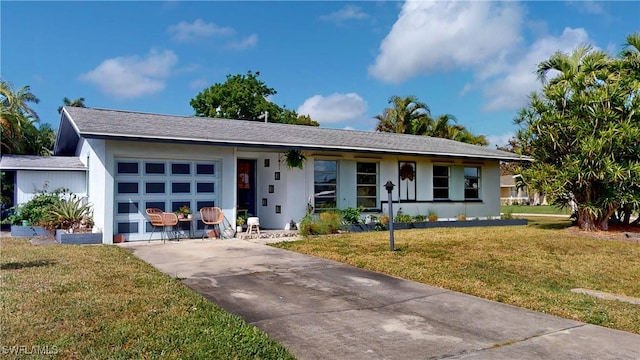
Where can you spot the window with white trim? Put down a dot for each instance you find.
(367, 184)
(325, 184)
(471, 183)
(440, 182)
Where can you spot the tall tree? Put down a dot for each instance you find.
(240, 97)
(406, 115)
(244, 97)
(16, 115)
(583, 130)
(79, 102)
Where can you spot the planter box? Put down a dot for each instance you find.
(401, 226)
(27, 231)
(359, 227)
(423, 224)
(79, 238)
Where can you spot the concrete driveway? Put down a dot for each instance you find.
(321, 309)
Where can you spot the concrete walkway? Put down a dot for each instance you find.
(321, 309)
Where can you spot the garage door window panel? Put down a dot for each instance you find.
(180, 169)
(154, 168)
(127, 168)
(154, 188)
(127, 188)
(181, 188)
(127, 207)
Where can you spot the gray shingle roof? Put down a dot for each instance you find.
(32, 162)
(104, 123)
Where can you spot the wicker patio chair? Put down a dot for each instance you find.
(211, 216)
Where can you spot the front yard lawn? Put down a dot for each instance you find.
(101, 302)
(532, 266)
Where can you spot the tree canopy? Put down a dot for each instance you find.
(583, 130)
(244, 97)
(21, 132)
(79, 102)
(408, 115)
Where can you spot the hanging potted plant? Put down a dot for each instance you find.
(294, 158)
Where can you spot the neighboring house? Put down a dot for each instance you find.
(137, 160)
(510, 194)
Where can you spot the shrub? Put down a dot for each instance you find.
(379, 227)
(351, 215)
(326, 223)
(404, 218)
(37, 210)
(384, 219)
(420, 218)
(432, 215)
(71, 214)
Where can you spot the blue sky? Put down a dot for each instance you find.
(336, 61)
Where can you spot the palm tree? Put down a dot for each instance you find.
(441, 126)
(79, 102)
(407, 115)
(15, 115)
(577, 70)
(631, 51)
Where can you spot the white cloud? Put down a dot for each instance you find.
(349, 12)
(133, 76)
(334, 108)
(184, 31)
(198, 84)
(246, 43)
(589, 7)
(431, 36)
(510, 88)
(483, 37)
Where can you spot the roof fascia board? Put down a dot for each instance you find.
(251, 144)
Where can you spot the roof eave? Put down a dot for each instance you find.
(310, 147)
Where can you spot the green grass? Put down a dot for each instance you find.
(532, 266)
(537, 209)
(99, 302)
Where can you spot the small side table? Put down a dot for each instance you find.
(190, 222)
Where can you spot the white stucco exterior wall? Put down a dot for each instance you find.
(292, 191)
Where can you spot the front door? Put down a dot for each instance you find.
(247, 187)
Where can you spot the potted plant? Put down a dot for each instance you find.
(294, 159)
(184, 212)
(239, 222)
